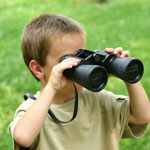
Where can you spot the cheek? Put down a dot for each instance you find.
(47, 71)
(48, 68)
(51, 61)
(70, 88)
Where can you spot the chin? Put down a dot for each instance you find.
(79, 88)
(70, 88)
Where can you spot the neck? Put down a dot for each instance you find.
(60, 99)
(66, 94)
(62, 96)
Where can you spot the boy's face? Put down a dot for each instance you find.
(69, 44)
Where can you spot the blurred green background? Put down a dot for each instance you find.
(122, 23)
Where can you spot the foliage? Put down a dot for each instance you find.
(122, 23)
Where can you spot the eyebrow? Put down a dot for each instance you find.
(68, 55)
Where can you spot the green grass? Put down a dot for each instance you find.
(123, 23)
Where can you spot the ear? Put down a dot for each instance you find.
(36, 69)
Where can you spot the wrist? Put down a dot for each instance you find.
(49, 89)
(47, 94)
(131, 84)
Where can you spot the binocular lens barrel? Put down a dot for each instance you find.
(92, 77)
(127, 69)
(92, 70)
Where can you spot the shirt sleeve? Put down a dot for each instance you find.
(18, 114)
(121, 112)
(129, 130)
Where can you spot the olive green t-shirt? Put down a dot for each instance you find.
(102, 120)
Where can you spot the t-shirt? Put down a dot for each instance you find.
(102, 120)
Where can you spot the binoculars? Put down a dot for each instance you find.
(94, 66)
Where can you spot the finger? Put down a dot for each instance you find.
(118, 51)
(71, 62)
(69, 59)
(125, 54)
(109, 50)
(66, 64)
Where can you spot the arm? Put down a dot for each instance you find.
(29, 125)
(139, 103)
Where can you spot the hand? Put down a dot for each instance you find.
(57, 80)
(118, 52)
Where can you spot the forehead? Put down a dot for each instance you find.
(68, 45)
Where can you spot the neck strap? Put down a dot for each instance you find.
(28, 95)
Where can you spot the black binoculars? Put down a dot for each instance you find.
(92, 71)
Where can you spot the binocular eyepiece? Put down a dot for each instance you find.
(92, 71)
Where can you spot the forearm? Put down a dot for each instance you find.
(139, 103)
(31, 122)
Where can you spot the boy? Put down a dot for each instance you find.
(103, 118)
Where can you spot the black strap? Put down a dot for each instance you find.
(30, 96)
(52, 114)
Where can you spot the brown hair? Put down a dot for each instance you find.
(39, 34)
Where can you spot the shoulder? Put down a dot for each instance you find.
(25, 105)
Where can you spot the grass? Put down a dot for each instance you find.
(123, 23)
